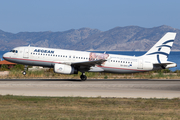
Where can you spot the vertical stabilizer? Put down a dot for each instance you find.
(162, 48)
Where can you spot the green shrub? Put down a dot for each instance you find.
(4, 67)
(105, 77)
(18, 67)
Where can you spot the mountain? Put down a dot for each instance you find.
(133, 38)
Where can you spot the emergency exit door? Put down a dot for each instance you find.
(140, 64)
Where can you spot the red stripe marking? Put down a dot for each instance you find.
(31, 60)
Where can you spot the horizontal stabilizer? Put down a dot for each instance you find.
(165, 65)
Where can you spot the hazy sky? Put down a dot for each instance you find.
(60, 15)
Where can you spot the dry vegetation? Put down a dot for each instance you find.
(40, 108)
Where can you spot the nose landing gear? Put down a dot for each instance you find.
(25, 69)
(24, 72)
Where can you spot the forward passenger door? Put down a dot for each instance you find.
(26, 53)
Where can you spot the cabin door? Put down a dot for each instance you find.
(26, 53)
(140, 64)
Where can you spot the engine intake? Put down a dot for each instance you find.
(65, 69)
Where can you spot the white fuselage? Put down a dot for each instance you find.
(48, 57)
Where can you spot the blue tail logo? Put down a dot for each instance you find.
(159, 50)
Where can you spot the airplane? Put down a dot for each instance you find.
(70, 61)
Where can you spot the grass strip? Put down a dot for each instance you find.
(80, 108)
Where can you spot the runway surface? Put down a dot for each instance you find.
(128, 88)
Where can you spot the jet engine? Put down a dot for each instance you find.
(65, 69)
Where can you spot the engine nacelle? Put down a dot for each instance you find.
(64, 69)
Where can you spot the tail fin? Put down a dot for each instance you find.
(162, 48)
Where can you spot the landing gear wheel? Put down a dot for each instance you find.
(25, 69)
(24, 72)
(83, 77)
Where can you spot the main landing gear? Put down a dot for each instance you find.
(83, 77)
(25, 69)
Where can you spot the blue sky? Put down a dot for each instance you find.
(61, 15)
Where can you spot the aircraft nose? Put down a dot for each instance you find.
(5, 55)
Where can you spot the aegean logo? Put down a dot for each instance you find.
(43, 51)
(159, 50)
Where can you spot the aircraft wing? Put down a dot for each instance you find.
(89, 63)
(84, 66)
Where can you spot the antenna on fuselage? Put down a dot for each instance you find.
(104, 52)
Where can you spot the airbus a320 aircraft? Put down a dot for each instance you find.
(70, 61)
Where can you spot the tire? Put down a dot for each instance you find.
(24, 72)
(83, 77)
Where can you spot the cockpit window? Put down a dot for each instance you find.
(14, 51)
